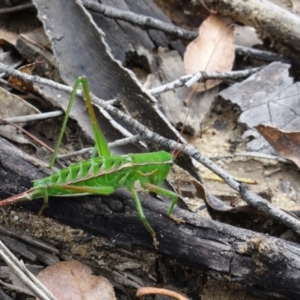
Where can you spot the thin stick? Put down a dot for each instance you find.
(26, 277)
(16, 8)
(3, 122)
(140, 20)
(145, 291)
(33, 117)
(201, 75)
(168, 28)
(189, 150)
(120, 142)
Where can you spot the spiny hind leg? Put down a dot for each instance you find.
(174, 197)
(140, 211)
(102, 190)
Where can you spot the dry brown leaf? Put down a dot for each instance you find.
(24, 85)
(8, 36)
(71, 280)
(212, 51)
(286, 144)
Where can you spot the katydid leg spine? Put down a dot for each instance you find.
(104, 174)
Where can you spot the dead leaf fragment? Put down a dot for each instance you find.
(71, 280)
(286, 144)
(246, 36)
(8, 36)
(268, 97)
(12, 106)
(24, 85)
(212, 51)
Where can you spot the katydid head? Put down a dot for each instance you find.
(153, 167)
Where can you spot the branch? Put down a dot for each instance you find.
(245, 193)
(224, 252)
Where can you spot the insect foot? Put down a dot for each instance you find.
(176, 219)
(155, 242)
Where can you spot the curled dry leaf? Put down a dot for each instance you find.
(286, 144)
(212, 51)
(145, 291)
(71, 280)
(27, 69)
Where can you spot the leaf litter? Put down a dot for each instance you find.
(212, 51)
(239, 166)
(72, 280)
(268, 97)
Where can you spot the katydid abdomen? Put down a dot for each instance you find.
(113, 171)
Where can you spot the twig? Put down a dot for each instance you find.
(120, 142)
(189, 80)
(16, 8)
(189, 150)
(140, 20)
(25, 275)
(145, 291)
(263, 156)
(265, 56)
(34, 117)
(234, 75)
(150, 22)
(126, 141)
(2, 121)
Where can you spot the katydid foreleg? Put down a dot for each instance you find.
(161, 191)
(140, 211)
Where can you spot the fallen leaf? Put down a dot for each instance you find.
(72, 280)
(212, 51)
(9, 37)
(270, 97)
(24, 85)
(286, 144)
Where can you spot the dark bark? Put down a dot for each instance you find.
(263, 264)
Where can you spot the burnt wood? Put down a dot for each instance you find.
(265, 265)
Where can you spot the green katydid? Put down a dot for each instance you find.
(104, 174)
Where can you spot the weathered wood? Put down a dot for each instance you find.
(263, 264)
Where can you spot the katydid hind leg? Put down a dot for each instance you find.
(174, 197)
(101, 144)
(45, 202)
(98, 190)
(143, 218)
(102, 190)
